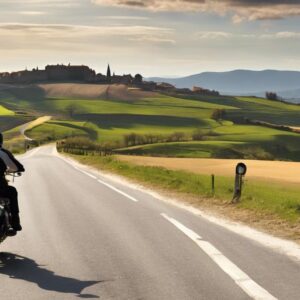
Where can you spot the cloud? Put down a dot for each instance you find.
(42, 3)
(63, 35)
(240, 10)
(81, 29)
(32, 13)
(124, 18)
(213, 35)
(221, 35)
(153, 39)
(156, 5)
(281, 35)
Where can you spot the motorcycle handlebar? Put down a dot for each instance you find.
(14, 174)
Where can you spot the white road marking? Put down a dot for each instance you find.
(88, 174)
(78, 169)
(117, 190)
(100, 181)
(249, 286)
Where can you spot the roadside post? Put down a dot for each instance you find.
(213, 184)
(240, 172)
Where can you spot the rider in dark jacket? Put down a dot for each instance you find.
(8, 163)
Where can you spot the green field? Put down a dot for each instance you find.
(109, 120)
(5, 112)
(261, 109)
(113, 119)
(205, 149)
(230, 141)
(9, 122)
(57, 130)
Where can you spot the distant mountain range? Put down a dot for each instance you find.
(243, 82)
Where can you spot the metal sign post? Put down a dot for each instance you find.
(240, 171)
(213, 184)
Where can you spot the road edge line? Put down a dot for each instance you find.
(99, 180)
(117, 190)
(248, 285)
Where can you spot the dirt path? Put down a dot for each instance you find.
(297, 129)
(275, 170)
(33, 124)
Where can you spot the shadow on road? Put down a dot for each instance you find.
(23, 268)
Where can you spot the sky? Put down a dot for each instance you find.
(151, 37)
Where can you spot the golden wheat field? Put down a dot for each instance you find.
(273, 170)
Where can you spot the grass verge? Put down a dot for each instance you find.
(272, 207)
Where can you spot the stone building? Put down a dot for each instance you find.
(201, 91)
(70, 73)
(23, 76)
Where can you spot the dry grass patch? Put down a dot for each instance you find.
(93, 91)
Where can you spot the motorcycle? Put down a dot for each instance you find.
(5, 213)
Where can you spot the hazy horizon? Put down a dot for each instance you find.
(155, 38)
(170, 76)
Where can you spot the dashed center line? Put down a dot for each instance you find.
(249, 286)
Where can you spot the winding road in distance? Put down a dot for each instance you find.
(86, 236)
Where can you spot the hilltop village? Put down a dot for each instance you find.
(66, 73)
(84, 74)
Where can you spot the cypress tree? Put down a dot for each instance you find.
(108, 74)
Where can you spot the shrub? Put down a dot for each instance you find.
(84, 146)
(218, 114)
(272, 96)
(133, 139)
(176, 137)
(198, 135)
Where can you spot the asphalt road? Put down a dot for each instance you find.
(89, 237)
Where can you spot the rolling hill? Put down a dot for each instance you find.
(161, 125)
(243, 82)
